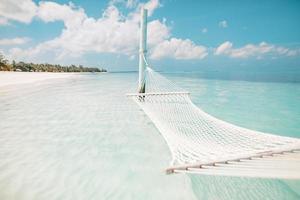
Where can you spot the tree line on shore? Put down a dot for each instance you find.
(32, 67)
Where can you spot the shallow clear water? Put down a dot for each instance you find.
(80, 138)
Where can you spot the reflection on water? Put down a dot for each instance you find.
(271, 107)
(265, 101)
(81, 138)
(279, 74)
(226, 188)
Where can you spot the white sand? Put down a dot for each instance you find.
(12, 78)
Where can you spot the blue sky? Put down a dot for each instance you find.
(183, 35)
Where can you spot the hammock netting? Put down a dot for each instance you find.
(202, 144)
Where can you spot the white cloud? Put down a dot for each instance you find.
(13, 41)
(204, 30)
(127, 3)
(157, 32)
(223, 24)
(71, 16)
(252, 50)
(111, 33)
(178, 49)
(131, 3)
(151, 6)
(17, 10)
(37, 53)
(224, 48)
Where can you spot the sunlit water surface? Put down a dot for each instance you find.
(81, 138)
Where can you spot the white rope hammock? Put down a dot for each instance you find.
(203, 144)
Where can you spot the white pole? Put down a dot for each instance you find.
(143, 50)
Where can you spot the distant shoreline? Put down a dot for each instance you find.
(49, 72)
(45, 67)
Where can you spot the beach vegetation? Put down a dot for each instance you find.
(44, 67)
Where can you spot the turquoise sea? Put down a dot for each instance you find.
(81, 138)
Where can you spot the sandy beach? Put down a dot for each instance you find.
(13, 78)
